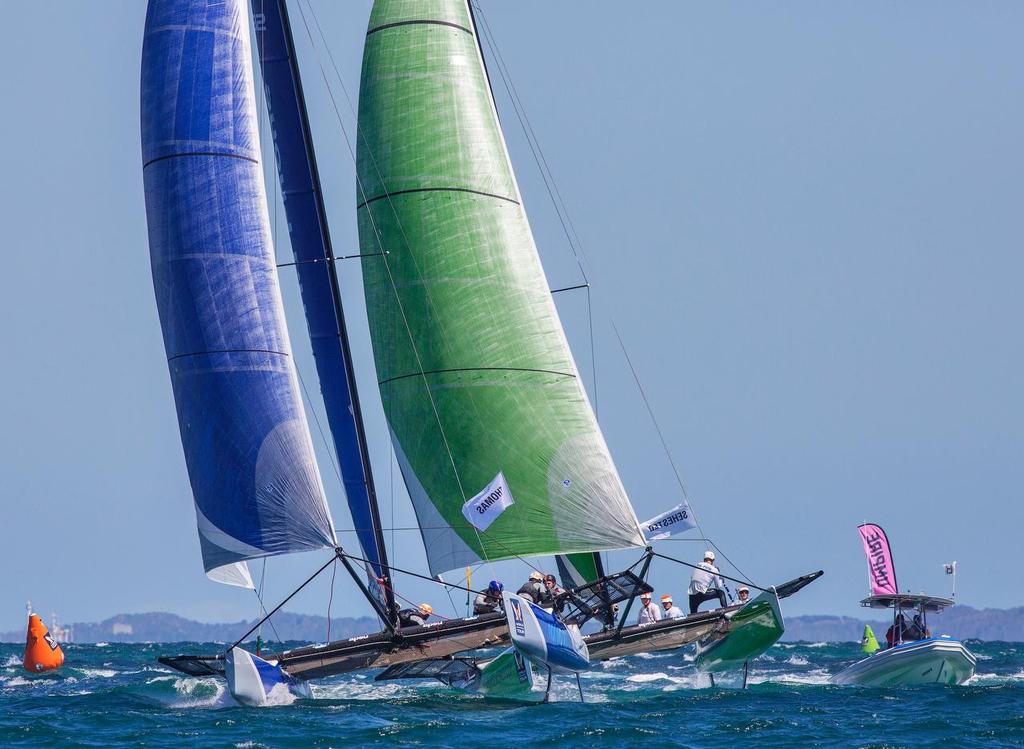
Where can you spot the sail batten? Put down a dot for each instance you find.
(247, 444)
(475, 372)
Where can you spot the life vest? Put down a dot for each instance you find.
(42, 653)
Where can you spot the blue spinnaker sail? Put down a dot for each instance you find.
(247, 445)
(318, 280)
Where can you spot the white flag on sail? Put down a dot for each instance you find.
(676, 520)
(485, 507)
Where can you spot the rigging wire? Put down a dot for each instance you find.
(316, 420)
(263, 114)
(575, 245)
(330, 598)
(263, 607)
(668, 453)
(555, 195)
(373, 223)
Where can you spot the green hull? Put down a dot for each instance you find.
(508, 677)
(744, 635)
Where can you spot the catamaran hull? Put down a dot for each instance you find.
(507, 677)
(942, 660)
(381, 650)
(254, 682)
(745, 634)
(651, 637)
(378, 650)
(543, 638)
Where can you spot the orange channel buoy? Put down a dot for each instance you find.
(42, 653)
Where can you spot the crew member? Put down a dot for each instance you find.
(533, 588)
(614, 617)
(415, 617)
(743, 594)
(670, 610)
(549, 598)
(489, 601)
(706, 584)
(648, 611)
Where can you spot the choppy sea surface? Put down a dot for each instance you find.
(118, 695)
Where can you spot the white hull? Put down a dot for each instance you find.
(543, 638)
(254, 682)
(940, 660)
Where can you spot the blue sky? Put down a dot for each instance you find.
(804, 218)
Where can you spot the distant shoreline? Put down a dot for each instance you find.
(963, 621)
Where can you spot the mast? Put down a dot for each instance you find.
(318, 278)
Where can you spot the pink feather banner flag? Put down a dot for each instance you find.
(876, 549)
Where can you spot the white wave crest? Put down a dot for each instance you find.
(815, 677)
(101, 673)
(199, 692)
(645, 678)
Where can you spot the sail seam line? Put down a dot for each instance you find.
(228, 351)
(476, 369)
(436, 189)
(200, 153)
(415, 22)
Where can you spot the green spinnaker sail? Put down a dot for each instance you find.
(474, 369)
(575, 570)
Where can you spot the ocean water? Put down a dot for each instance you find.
(118, 695)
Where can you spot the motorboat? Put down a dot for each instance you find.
(914, 657)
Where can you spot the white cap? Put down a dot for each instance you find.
(709, 555)
(743, 589)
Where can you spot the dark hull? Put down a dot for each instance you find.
(378, 650)
(667, 634)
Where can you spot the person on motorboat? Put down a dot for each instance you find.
(648, 611)
(917, 630)
(415, 617)
(897, 632)
(489, 601)
(533, 589)
(670, 610)
(743, 594)
(706, 584)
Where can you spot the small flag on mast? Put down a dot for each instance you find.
(950, 568)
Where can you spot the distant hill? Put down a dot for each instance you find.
(165, 627)
(962, 621)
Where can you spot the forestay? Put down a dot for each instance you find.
(318, 278)
(247, 446)
(474, 369)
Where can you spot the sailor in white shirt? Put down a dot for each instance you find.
(706, 585)
(648, 611)
(668, 610)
